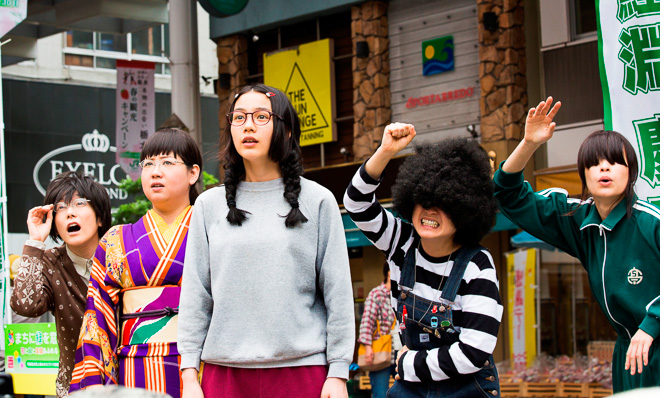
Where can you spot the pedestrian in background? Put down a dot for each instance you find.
(377, 320)
(129, 329)
(267, 299)
(444, 284)
(76, 210)
(614, 234)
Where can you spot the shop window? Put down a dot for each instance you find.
(102, 50)
(337, 27)
(570, 317)
(571, 74)
(583, 18)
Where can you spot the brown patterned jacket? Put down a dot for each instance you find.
(47, 281)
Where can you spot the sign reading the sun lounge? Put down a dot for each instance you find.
(93, 156)
(306, 75)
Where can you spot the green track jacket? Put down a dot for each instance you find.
(621, 254)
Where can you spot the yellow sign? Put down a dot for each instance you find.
(306, 75)
(521, 272)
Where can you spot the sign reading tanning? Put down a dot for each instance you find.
(306, 75)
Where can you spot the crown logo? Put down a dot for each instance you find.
(95, 142)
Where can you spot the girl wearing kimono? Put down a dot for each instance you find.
(129, 329)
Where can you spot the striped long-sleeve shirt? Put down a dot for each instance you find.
(477, 309)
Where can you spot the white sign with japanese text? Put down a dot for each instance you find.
(135, 112)
(629, 55)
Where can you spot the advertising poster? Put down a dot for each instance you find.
(135, 112)
(32, 357)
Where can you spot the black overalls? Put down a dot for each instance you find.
(429, 325)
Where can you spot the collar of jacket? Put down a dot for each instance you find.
(618, 213)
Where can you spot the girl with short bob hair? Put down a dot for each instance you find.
(128, 336)
(614, 234)
(76, 210)
(267, 299)
(444, 285)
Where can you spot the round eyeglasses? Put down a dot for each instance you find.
(260, 118)
(75, 204)
(149, 164)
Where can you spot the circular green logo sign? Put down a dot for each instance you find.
(223, 8)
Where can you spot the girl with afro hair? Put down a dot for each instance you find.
(266, 296)
(444, 286)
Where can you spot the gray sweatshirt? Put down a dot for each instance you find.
(262, 295)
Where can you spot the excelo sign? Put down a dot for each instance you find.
(93, 157)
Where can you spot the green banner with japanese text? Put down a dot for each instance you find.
(629, 57)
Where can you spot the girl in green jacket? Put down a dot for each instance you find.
(615, 235)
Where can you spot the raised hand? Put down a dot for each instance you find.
(39, 229)
(396, 137)
(539, 126)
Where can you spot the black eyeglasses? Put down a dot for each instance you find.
(260, 118)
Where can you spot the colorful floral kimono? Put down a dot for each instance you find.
(128, 336)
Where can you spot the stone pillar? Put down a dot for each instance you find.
(502, 73)
(371, 77)
(232, 60)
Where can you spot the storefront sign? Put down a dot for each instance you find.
(31, 348)
(12, 12)
(93, 157)
(306, 75)
(521, 272)
(135, 112)
(438, 55)
(32, 357)
(629, 64)
(439, 98)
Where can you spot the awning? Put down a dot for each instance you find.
(565, 177)
(525, 239)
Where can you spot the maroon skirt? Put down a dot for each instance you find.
(227, 382)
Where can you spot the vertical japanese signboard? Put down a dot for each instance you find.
(629, 55)
(306, 75)
(521, 273)
(12, 12)
(32, 357)
(135, 112)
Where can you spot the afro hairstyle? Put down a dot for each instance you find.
(453, 175)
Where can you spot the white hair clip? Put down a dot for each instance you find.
(236, 96)
(270, 94)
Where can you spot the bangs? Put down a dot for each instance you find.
(602, 146)
(164, 142)
(66, 192)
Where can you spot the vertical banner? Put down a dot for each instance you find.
(12, 12)
(629, 57)
(521, 274)
(136, 119)
(306, 74)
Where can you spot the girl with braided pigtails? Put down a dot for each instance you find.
(266, 293)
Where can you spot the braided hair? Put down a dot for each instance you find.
(284, 150)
